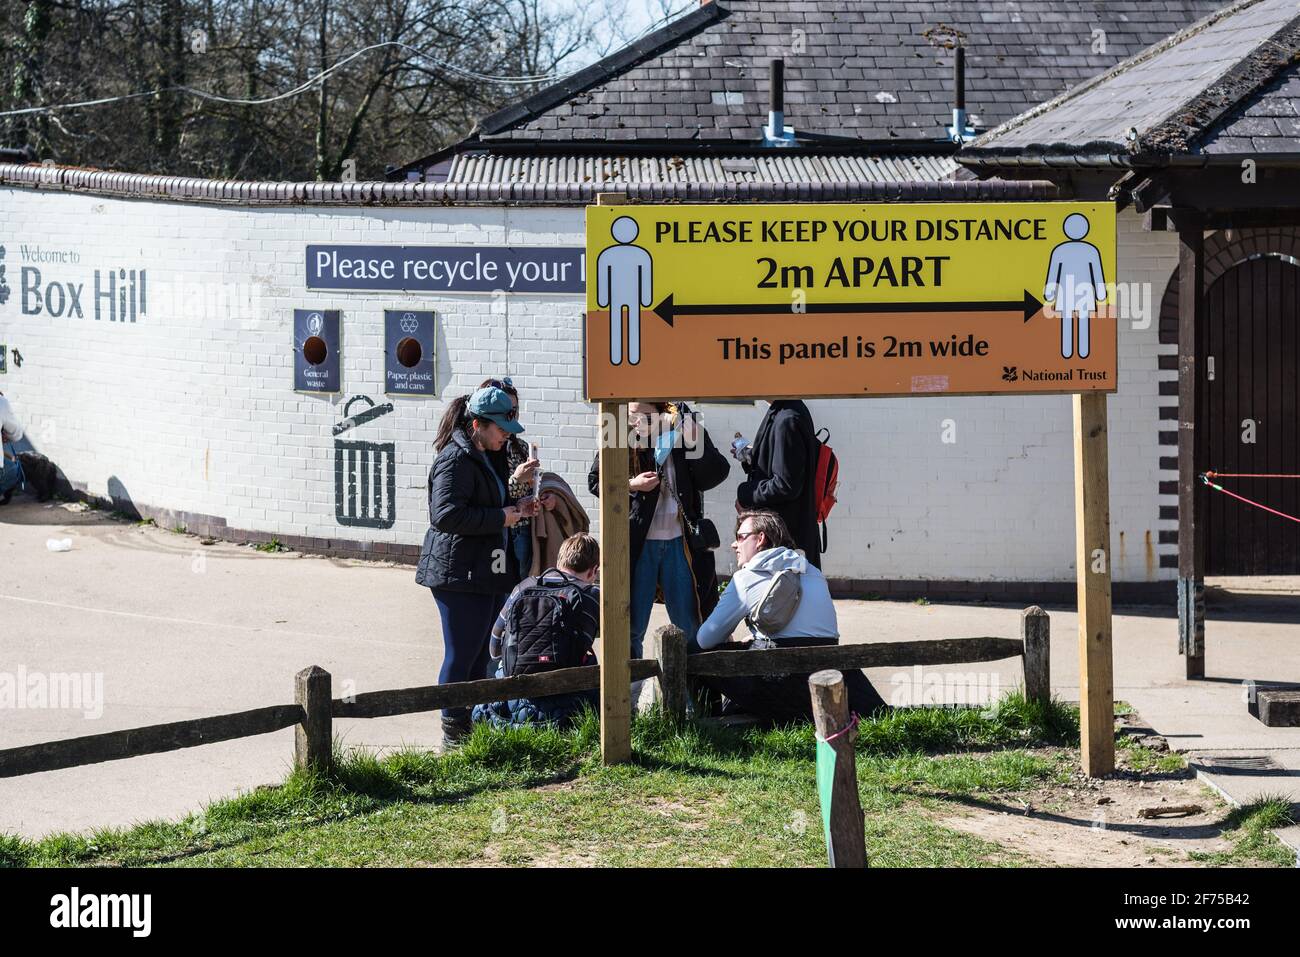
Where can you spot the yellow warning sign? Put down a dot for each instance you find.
(849, 300)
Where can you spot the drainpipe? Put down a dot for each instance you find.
(776, 133)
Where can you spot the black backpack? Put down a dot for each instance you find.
(552, 624)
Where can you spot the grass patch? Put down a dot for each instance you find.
(273, 545)
(1012, 720)
(1250, 829)
(14, 851)
(1146, 760)
(696, 794)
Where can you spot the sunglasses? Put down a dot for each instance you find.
(502, 383)
(741, 536)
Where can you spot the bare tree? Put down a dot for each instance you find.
(434, 69)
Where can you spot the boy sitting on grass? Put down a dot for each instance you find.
(550, 621)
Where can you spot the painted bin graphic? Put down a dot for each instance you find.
(365, 473)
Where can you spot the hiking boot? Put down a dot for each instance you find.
(455, 729)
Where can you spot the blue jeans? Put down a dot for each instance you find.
(10, 474)
(664, 564)
(521, 541)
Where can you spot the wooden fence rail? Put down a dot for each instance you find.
(785, 661)
(312, 714)
(134, 742)
(677, 666)
(314, 709)
(382, 704)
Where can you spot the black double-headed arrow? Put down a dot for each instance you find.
(668, 310)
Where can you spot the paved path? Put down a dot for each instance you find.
(180, 630)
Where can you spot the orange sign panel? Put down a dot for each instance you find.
(827, 300)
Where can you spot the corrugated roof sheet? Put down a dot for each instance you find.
(243, 193)
(486, 168)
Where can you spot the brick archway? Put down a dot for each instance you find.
(1223, 250)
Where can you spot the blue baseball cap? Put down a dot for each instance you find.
(495, 405)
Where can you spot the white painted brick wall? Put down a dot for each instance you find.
(193, 409)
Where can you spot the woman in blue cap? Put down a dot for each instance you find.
(517, 466)
(466, 559)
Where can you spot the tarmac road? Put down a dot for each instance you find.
(180, 630)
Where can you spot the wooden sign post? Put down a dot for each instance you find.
(615, 592)
(615, 577)
(1092, 566)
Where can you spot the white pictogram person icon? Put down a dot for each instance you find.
(624, 281)
(1075, 284)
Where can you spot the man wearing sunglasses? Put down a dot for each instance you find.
(786, 603)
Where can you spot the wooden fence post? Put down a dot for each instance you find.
(847, 846)
(313, 739)
(1036, 631)
(671, 651)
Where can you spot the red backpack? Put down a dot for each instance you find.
(825, 481)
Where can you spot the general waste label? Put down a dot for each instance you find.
(850, 300)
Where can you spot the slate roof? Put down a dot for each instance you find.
(1268, 122)
(877, 70)
(1227, 84)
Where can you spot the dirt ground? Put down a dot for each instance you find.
(1100, 822)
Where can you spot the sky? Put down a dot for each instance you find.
(637, 17)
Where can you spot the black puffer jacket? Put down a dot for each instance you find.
(465, 548)
(695, 476)
(782, 467)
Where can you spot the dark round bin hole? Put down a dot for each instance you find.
(409, 353)
(314, 350)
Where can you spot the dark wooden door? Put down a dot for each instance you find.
(1254, 343)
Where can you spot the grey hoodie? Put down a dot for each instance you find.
(814, 618)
